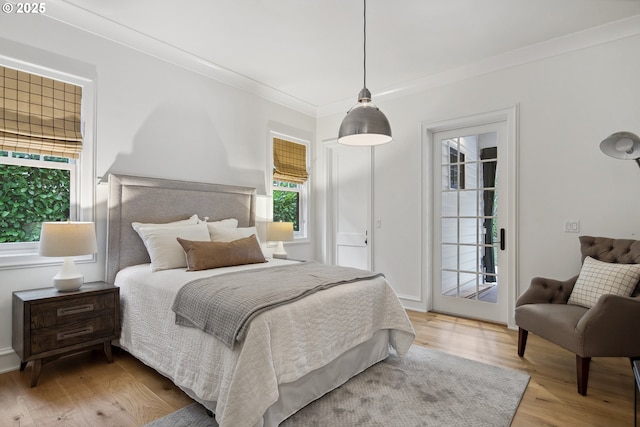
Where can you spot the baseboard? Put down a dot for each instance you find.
(9, 360)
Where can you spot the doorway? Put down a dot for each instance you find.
(349, 207)
(471, 217)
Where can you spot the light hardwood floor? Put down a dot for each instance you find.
(83, 390)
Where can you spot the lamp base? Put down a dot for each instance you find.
(68, 285)
(68, 278)
(279, 252)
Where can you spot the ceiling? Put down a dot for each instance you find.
(311, 52)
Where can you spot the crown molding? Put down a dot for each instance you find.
(628, 27)
(87, 21)
(105, 28)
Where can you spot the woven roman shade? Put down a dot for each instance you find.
(39, 115)
(289, 161)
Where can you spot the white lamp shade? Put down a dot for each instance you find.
(280, 231)
(65, 239)
(621, 145)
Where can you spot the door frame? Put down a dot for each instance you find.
(429, 128)
(331, 208)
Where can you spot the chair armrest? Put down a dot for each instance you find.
(609, 327)
(612, 312)
(547, 291)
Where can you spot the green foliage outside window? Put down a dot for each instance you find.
(30, 196)
(286, 207)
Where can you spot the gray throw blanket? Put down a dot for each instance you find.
(224, 305)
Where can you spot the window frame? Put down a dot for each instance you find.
(82, 197)
(303, 189)
(457, 168)
(71, 166)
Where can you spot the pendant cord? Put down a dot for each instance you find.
(365, 44)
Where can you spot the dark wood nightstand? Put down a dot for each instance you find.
(48, 324)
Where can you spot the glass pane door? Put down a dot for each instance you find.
(468, 217)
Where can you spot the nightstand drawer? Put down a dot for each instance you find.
(60, 312)
(55, 337)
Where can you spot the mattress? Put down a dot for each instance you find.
(283, 347)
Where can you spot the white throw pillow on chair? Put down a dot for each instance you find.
(599, 278)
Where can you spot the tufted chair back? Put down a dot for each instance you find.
(619, 251)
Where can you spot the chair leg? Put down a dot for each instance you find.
(582, 370)
(522, 341)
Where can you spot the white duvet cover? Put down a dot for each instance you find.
(282, 345)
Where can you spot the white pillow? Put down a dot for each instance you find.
(598, 278)
(225, 223)
(163, 247)
(225, 234)
(193, 219)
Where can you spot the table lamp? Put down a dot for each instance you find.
(67, 239)
(280, 232)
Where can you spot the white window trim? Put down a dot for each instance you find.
(303, 234)
(62, 69)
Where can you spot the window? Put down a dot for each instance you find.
(457, 170)
(290, 185)
(41, 145)
(35, 189)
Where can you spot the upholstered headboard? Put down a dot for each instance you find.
(153, 200)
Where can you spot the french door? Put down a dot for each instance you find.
(469, 214)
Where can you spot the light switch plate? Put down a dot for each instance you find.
(572, 226)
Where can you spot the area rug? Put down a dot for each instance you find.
(425, 388)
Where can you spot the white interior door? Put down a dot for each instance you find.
(350, 188)
(470, 261)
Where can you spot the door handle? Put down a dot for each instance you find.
(503, 243)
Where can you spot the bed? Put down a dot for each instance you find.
(289, 355)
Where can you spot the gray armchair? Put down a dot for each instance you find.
(606, 329)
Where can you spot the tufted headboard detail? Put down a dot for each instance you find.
(620, 251)
(153, 200)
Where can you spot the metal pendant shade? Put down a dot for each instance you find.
(364, 124)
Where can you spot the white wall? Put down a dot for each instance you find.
(153, 119)
(567, 105)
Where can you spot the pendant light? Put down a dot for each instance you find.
(364, 124)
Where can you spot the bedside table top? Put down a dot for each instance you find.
(46, 293)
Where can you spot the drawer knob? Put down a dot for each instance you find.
(75, 310)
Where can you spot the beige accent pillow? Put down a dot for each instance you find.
(598, 278)
(164, 251)
(227, 234)
(206, 255)
(222, 224)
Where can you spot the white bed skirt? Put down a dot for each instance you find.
(298, 394)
